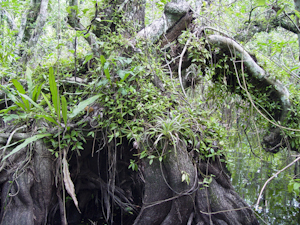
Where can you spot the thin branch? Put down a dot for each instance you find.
(179, 66)
(10, 21)
(271, 178)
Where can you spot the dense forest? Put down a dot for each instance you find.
(149, 112)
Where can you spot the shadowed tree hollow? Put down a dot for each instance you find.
(114, 137)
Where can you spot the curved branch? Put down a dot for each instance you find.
(257, 26)
(254, 69)
(258, 77)
(172, 14)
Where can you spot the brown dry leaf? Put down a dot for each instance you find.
(68, 182)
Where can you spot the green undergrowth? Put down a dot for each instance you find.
(118, 98)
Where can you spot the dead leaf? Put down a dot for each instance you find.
(68, 182)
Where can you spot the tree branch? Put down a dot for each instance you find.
(255, 70)
(73, 21)
(40, 23)
(257, 26)
(258, 77)
(11, 22)
(172, 14)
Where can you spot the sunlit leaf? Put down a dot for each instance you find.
(261, 2)
(102, 60)
(18, 86)
(297, 13)
(88, 58)
(82, 105)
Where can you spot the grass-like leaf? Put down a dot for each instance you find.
(54, 93)
(64, 109)
(25, 143)
(21, 90)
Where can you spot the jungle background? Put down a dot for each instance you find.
(42, 50)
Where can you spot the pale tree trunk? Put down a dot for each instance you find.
(36, 33)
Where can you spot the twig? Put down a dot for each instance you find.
(10, 137)
(271, 178)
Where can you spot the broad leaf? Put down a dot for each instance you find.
(82, 105)
(123, 74)
(18, 86)
(88, 58)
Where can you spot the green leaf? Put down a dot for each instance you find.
(25, 143)
(48, 102)
(54, 92)
(49, 118)
(64, 109)
(107, 74)
(82, 105)
(280, 11)
(261, 2)
(21, 90)
(28, 77)
(296, 186)
(9, 117)
(297, 13)
(102, 59)
(88, 58)
(9, 94)
(110, 138)
(8, 109)
(102, 82)
(36, 92)
(18, 86)
(123, 74)
(32, 102)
